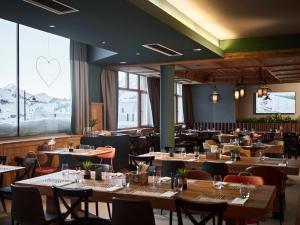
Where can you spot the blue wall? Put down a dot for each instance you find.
(95, 94)
(206, 111)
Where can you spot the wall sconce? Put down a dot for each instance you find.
(215, 96)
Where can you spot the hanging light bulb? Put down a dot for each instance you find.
(259, 92)
(236, 94)
(242, 92)
(215, 96)
(265, 90)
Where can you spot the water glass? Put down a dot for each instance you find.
(177, 184)
(217, 182)
(244, 191)
(285, 159)
(65, 169)
(151, 150)
(183, 152)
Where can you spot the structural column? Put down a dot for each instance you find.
(167, 106)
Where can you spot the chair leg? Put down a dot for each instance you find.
(12, 221)
(3, 204)
(108, 209)
(97, 208)
(171, 218)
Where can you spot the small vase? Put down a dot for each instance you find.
(238, 157)
(71, 149)
(196, 153)
(184, 183)
(87, 174)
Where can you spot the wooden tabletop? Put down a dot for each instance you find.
(234, 167)
(256, 207)
(77, 152)
(8, 169)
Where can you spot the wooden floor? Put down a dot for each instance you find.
(292, 197)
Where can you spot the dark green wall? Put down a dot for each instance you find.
(95, 94)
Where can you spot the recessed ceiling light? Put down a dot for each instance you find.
(103, 42)
(197, 49)
(52, 26)
(138, 53)
(123, 62)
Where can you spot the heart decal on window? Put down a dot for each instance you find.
(48, 69)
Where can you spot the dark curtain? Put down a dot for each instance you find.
(154, 96)
(79, 85)
(187, 105)
(109, 87)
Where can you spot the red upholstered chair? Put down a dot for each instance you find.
(110, 155)
(244, 179)
(256, 180)
(42, 163)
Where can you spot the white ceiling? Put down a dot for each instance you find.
(232, 19)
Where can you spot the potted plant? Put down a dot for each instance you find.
(87, 165)
(92, 123)
(182, 177)
(196, 151)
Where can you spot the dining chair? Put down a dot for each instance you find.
(207, 211)
(42, 163)
(27, 207)
(254, 180)
(169, 169)
(132, 212)
(27, 173)
(291, 144)
(2, 162)
(273, 176)
(67, 159)
(103, 168)
(199, 175)
(73, 209)
(110, 155)
(215, 168)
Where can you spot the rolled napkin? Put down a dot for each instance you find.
(229, 162)
(282, 164)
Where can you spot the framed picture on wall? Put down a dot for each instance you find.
(275, 102)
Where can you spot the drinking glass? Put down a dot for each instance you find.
(183, 152)
(65, 169)
(244, 191)
(285, 159)
(177, 184)
(217, 182)
(151, 150)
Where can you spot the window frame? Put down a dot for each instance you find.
(18, 95)
(176, 96)
(139, 92)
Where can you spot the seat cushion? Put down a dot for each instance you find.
(5, 190)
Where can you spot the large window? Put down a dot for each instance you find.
(43, 79)
(178, 104)
(8, 77)
(134, 106)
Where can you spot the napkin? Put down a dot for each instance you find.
(229, 162)
(147, 193)
(282, 164)
(109, 189)
(164, 179)
(168, 194)
(239, 201)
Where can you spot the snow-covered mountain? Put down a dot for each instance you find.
(32, 107)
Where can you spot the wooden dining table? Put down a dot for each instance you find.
(292, 167)
(9, 169)
(256, 207)
(77, 152)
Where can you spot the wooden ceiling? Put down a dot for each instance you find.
(281, 66)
